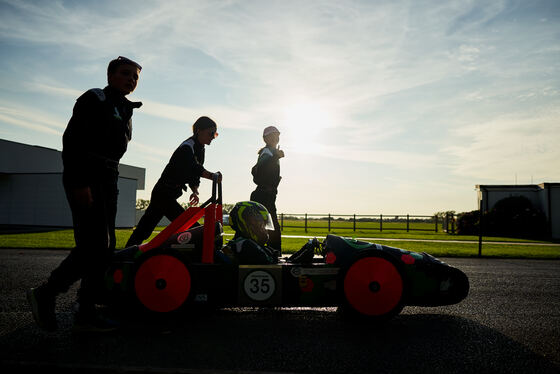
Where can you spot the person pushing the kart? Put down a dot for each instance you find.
(185, 167)
(94, 141)
(266, 175)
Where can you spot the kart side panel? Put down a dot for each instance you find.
(310, 285)
(429, 281)
(213, 284)
(264, 285)
(286, 285)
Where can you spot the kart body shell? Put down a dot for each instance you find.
(183, 267)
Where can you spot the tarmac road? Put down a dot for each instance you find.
(509, 323)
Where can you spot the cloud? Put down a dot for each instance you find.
(381, 71)
(472, 15)
(508, 145)
(30, 118)
(156, 154)
(50, 89)
(227, 117)
(393, 158)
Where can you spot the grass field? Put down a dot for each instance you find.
(438, 244)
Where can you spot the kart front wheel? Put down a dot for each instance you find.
(372, 286)
(162, 283)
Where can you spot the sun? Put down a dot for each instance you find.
(304, 123)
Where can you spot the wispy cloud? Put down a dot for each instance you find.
(227, 117)
(457, 86)
(52, 89)
(508, 145)
(30, 119)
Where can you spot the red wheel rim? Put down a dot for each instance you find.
(373, 286)
(162, 283)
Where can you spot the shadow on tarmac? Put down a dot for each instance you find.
(275, 340)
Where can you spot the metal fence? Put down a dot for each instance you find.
(357, 222)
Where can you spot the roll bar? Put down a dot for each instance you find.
(211, 210)
(216, 196)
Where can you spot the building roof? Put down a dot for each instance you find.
(508, 187)
(19, 158)
(517, 187)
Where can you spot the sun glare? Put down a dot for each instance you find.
(303, 125)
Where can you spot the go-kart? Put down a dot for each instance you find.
(183, 267)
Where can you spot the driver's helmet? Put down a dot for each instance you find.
(251, 220)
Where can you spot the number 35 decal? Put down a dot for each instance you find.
(259, 285)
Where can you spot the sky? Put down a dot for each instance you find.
(384, 107)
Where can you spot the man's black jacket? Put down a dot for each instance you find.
(266, 173)
(97, 135)
(185, 167)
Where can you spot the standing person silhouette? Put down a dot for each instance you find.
(266, 175)
(185, 167)
(94, 141)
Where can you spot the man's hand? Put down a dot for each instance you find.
(217, 176)
(208, 175)
(279, 152)
(193, 200)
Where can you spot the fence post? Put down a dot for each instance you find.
(354, 222)
(281, 221)
(305, 222)
(436, 221)
(329, 222)
(453, 223)
(480, 230)
(381, 222)
(407, 220)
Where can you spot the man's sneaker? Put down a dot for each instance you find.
(93, 323)
(42, 307)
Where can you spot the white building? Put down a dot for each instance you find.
(31, 191)
(544, 196)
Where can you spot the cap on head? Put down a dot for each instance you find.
(270, 130)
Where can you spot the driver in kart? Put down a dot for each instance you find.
(251, 222)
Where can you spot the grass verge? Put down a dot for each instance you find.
(459, 248)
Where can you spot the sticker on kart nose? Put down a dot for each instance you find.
(259, 285)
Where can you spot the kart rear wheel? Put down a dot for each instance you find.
(372, 286)
(162, 283)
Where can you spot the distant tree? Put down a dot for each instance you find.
(142, 204)
(468, 222)
(443, 214)
(226, 208)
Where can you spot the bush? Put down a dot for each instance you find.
(515, 216)
(512, 216)
(468, 222)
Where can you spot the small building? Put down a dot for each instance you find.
(544, 196)
(31, 191)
